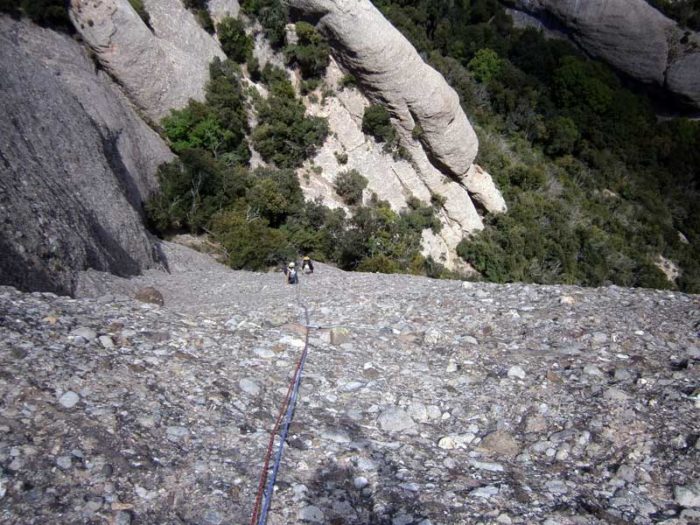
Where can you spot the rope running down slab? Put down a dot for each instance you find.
(284, 419)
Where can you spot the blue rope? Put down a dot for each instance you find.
(267, 495)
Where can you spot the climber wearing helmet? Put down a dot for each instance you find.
(307, 266)
(291, 273)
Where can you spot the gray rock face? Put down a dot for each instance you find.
(633, 37)
(222, 8)
(169, 426)
(390, 70)
(160, 68)
(77, 162)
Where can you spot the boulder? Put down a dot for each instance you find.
(160, 67)
(77, 164)
(633, 37)
(149, 294)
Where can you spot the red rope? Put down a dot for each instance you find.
(271, 444)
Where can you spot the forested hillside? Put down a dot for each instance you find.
(597, 186)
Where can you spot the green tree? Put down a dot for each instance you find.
(485, 65)
(234, 41)
(311, 52)
(272, 15)
(285, 135)
(562, 136)
(349, 186)
(376, 122)
(249, 242)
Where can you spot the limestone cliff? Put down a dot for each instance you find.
(390, 72)
(76, 163)
(633, 37)
(160, 67)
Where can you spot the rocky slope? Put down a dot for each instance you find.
(77, 162)
(633, 37)
(394, 180)
(433, 402)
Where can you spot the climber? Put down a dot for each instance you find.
(307, 266)
(291, 273)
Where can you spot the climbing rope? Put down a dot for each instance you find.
(284, 418)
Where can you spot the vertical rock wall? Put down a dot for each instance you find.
(75, 164)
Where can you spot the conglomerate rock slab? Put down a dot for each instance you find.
(422, 401)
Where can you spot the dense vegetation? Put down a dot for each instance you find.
(285, 136)
(686, 12)
(597, 188)
(260, 216)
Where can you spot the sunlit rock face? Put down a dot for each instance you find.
(440, 157)
(159, 67)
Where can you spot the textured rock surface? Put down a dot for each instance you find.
(389, 69)
(76, 164)
(394, 180)
(160, 68)
(633, 37)
(221, 8)
(410, 418)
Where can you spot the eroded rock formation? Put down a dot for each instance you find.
(76, 164)
(160, 67)
(633, 37)
(391, 72)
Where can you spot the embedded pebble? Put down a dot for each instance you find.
(69, 399)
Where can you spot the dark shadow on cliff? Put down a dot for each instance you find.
(21, 271)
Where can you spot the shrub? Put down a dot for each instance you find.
(485, 65)
(437, 200)
(349, 186)
(249, 242)
(192, 189)
(285, 135)
(378, 264)
(204, 19)
(310, 53)
(376, 122)
(237, 45)
(348, 80)
(200, 9)
(562, 136)
(274, 195)
(341, 157)
(220, 124)
(272, 15)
